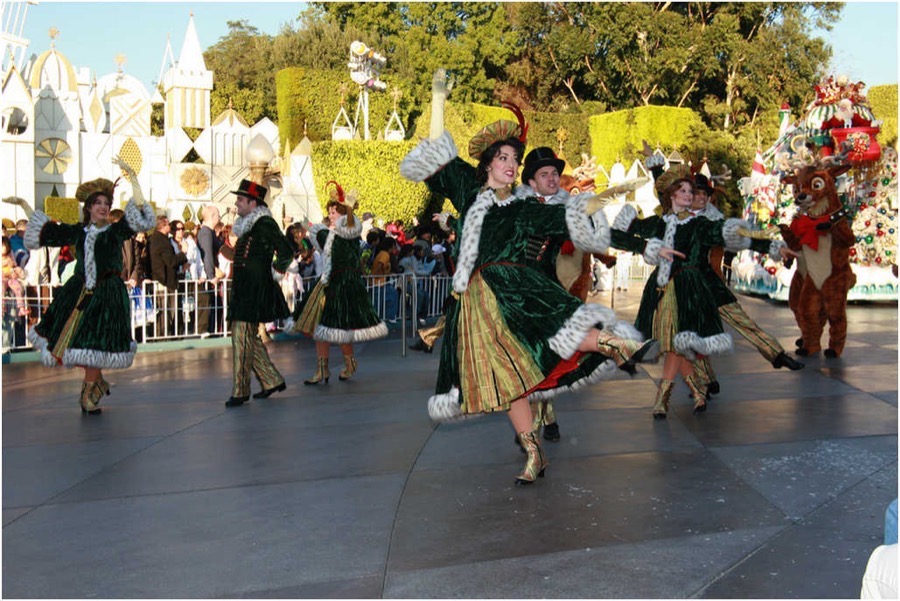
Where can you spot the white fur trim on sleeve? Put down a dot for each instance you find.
(140, 219)
(623, 220)
(428, 158)
(654, 160)
(651, 251)
(590, 234)
(712, 213)
(442, 221)
(688, 344)
(775, 249)
(33, 230)
(733, 240)
(348, 233)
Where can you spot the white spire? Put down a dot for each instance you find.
(191, 58)
(168, 60)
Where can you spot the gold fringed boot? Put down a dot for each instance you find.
(349, 368)
(90, 394)
(535, 464)
(322, 372)
(698, 392)
(103, 385)
(663, 393)
(625, 352)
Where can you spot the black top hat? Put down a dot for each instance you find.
(253, 191)
(701, 182)
(542, 156)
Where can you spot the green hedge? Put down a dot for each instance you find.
(883, 100)
(372, 168)
(617, 136)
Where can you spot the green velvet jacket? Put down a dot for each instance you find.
(255, 296)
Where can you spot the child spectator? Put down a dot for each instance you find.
(12, 276)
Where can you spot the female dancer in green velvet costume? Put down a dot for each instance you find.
(514, 332)
(88, 324)
(678, 307)
(339, 309)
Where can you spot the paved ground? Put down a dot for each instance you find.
(348, 490)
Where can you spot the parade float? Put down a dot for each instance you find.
(839, 118)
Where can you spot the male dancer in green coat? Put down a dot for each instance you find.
(255, 297)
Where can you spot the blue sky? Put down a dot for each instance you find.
(93, 33)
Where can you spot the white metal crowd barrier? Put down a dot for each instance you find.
(198, 309)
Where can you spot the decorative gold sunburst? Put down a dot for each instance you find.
(194, 181)
(53, 155)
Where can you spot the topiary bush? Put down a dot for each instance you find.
(883, 100)
(372, 168)
(618, 135)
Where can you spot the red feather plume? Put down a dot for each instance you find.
(520, 117)
(340, 191)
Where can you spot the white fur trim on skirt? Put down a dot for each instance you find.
(689, 344)
(338, 336)
(591, 315)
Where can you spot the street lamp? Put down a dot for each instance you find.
(260, 154)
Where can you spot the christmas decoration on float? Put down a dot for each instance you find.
(839, 120)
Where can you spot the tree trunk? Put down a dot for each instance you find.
(729, 97)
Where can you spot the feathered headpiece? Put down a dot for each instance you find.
(348, 200)
(96, 186)
(503, 129)
(669, 176)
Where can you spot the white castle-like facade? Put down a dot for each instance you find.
(61, 126)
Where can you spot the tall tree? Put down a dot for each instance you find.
(245, 78)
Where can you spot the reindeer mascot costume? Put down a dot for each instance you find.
(821, 234)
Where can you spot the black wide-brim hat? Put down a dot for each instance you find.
(541, 156)
(251, 189)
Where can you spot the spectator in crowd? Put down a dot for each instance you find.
(12, 278)
(164, 264)
(368, 224)
(367, 255)
(42, 274)
(130, 257)
(208, 244)
(17, 243)
(292, 284)
(384, 288)
(176, 238)
(226, 254)
(880, 578)
(413, 261)
(194, 277)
